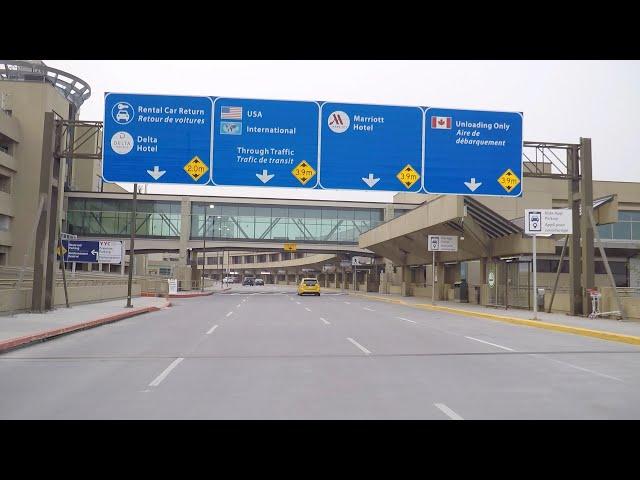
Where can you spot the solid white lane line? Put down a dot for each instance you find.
(448, 412)
(492, 344)
(359, 346)
(307, 309)
(406, 320)
(212, 329)
(229, 314)
(371, 310)
(166, 372)
(297, 303)
(577, 367)
(239, 305)
(326, 323)
(348, 303)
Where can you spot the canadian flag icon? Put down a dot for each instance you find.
(441, 122)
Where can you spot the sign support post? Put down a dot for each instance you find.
(131, 245)
(433, 279)
(535, 281)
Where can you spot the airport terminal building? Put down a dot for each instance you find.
(179, 236)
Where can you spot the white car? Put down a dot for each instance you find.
(123, 115)
(229, 280)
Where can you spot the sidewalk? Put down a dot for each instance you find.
(26, 328)
(627, 331)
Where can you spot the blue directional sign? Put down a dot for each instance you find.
(473, 152)
(265, 143)
(371, 147)
(157, 139)
(81, 251)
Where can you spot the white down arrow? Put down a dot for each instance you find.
(156, 173)
(265, 177)
(370, 181)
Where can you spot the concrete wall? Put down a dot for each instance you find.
(13, 300)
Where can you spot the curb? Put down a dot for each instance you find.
(584, 332)
(191, 295)
(45, 335)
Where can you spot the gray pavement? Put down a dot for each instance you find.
(626, 327)
(265, 353)
(22, 324)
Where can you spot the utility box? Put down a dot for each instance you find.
(461, 291)
(540, 298)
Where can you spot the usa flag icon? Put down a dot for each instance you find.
(441, 122)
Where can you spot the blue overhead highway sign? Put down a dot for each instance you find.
(371, 147)
(157, 139)
(265, 143)
(473, 152)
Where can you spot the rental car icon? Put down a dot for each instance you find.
(122, 115)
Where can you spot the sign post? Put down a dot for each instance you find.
(545, 222)
(439, 243)
(131, 245)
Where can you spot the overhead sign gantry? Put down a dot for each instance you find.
(311, 145)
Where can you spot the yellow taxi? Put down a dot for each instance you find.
(310, 286)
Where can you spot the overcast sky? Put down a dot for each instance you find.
(561, 100)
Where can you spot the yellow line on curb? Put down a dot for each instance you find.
(585, 332)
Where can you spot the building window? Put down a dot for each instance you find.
(5, 183)
(212, 261)
(5, 223)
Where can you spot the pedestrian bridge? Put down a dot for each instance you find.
(174, 224)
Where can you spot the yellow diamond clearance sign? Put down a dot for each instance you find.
(290, 247)
(408, 176)
(303, 172)
(196, 168)
(508, 180)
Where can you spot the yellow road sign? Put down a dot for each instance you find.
(408, 176)
(508, 180)
(290, 247)
(196, 168)
(303, 172)
(61, 250)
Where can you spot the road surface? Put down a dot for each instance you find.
(265, 353)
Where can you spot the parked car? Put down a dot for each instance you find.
(229, 280)
(248, 281)
(309, 285)
(259, 281)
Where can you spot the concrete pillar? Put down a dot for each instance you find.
(440, 269)
(185, 229)
(326, 280)
(343, 278)
(406, 280)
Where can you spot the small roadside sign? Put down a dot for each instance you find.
(555, 221)
(290, 247)
(443, 243)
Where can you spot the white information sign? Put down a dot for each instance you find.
(110, 252)
(556, 221)
(173, 285)
(443, 243)
(361, 260)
